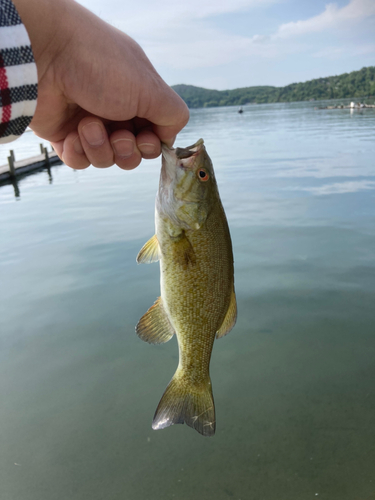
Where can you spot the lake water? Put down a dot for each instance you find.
(294, 382)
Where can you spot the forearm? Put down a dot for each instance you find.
(18, 76)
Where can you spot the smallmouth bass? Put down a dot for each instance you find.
(197, 301)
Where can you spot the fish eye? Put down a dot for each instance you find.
(203, 175)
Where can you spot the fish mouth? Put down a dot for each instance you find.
(182, 153)
(179, 157)
(189, 151)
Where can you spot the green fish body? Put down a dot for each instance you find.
(197, 302)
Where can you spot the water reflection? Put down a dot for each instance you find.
(13, 181)
(341, 188)
(19, 179)
(50, 178)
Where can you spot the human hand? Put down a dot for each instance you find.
(100, 100)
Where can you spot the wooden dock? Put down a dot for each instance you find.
(15, 168)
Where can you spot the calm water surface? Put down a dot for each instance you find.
(293, 383)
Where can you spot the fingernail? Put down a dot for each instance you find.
(146, 148)
(123, 147)
(93, 133)
(77, 146)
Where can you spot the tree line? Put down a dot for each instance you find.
(357, 84)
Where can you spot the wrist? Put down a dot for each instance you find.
(42, 19)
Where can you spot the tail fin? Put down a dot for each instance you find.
(184, 403)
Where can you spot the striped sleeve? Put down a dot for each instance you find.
(18, 75)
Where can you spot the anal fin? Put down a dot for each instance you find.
(154, 327)
(149, 252)
(230, 317)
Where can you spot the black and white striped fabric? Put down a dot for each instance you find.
(18, 75)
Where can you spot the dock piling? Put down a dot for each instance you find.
(11, 152)
(12, 170)
(41, 148)
(46, 156)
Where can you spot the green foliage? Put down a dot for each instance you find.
(355, 84)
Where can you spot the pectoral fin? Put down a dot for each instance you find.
(154, 327)
(149, 252)
(183, 252)
(230, 318)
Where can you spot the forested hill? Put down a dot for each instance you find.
(355, 84)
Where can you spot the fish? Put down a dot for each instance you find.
(197, 297)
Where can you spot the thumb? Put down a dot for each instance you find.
(167, 112)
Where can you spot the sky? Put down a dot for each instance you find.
(226, 44)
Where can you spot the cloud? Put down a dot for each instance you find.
(180, 36)
(333, 21)
(345, 51)
(333, 17)
(330, 52)
(148, 17)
